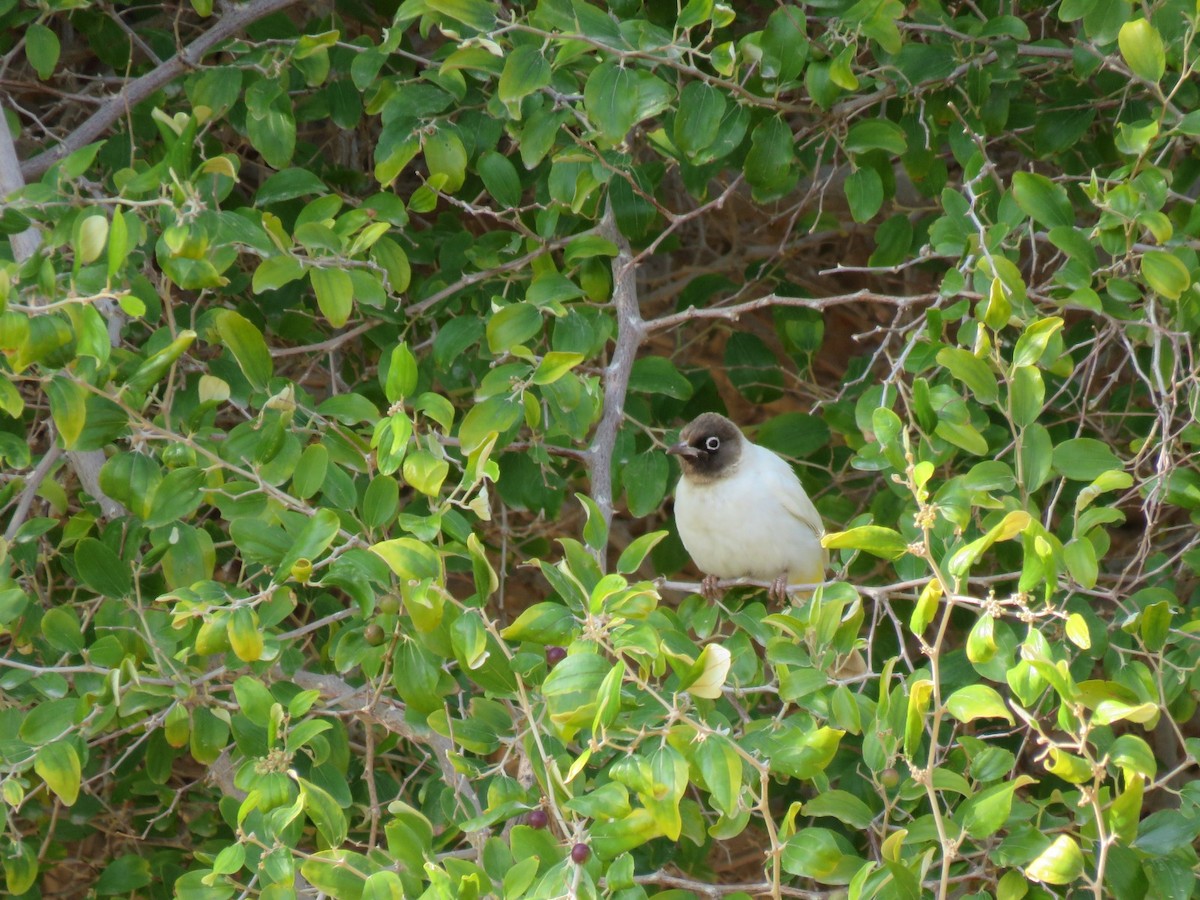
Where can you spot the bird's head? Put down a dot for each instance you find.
(709, 446)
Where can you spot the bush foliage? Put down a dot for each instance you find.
(341, 344)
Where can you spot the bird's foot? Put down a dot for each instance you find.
(708, 588)
(778, 591)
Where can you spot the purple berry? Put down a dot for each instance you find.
(580, 853)
(555, 655)
(537, 818)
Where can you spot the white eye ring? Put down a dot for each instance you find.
(712, 443)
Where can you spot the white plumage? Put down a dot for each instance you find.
(741, 511)
(753, 522)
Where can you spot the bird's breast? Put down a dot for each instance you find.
(737, 527)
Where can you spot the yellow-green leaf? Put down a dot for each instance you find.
(1142, 48)
(1060, 863)
(874, 539)
(58, 765)
(1165, 273)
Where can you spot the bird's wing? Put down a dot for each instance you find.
(793, 496)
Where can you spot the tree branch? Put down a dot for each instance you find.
(390, 715)
(233, 21)
(631, 331)
(733, 313)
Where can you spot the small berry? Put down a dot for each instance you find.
(580, 853)
(374, 634)
(889, 778)
(537, 818)
(389, 604)
(555, 655)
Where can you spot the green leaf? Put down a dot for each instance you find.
(525, 71)
(611, 100)
(595, 529)
(48, 721)
(318, 533)
(338, 873)
(1142, 48)
(324, 812)
(820, 854)
(445, 155)
(1044, 201)
(1060, 863)
(632, 556)
(500, 178)
(512, 325)
(1084, 459)
(864, 193)
(721, 768)
(784, 44)
(542, 623)
(1080, 556)
(986, 812)
(977, 701)
(58, 765)
(276, 271)
(770, 168)
(309, 474)
(381, 501)
(658, 375)
(67, 407)
(402, 374)
(209, 736)
(972, 371)
(840, 805)
(645, 480)
(702, 107)
(273, 134)
(101, 569)
(335, 294)
(486, 419)
(125, 875)
(42, 49)
(1027, 395)
(248, 346)
(477, 14)
(61, 628)
(876, 134)
(1165, 274)
(551, 288)
(158, 364)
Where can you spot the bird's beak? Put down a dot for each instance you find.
(683, 449)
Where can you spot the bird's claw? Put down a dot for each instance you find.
(778, 591)
(708, 588)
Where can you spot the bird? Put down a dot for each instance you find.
(742, 512)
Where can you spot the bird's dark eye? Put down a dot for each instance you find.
(712, 443)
